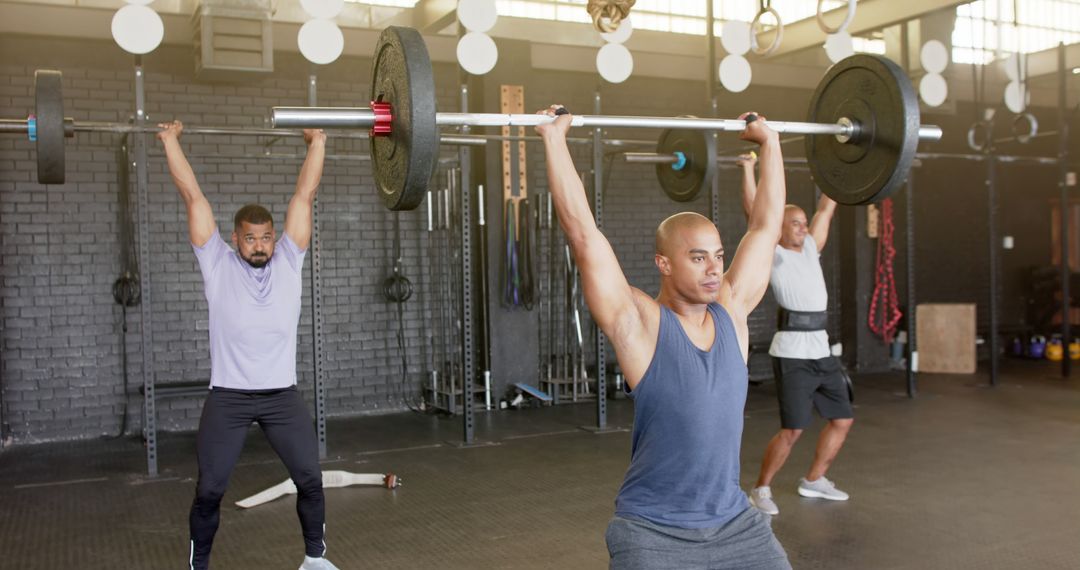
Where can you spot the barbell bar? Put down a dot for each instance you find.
(652, 158)
(71, 126)
(49, 127)
(24, 126)
(677, 158)
(365, 118)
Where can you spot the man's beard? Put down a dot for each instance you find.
(258, 261)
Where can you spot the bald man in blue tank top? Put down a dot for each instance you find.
(683, 355)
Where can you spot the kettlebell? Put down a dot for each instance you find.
(1074, 349)
(1037, 346)
(1054, 349)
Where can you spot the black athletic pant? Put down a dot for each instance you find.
(283, 417)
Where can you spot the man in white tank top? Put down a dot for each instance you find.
(808, 377)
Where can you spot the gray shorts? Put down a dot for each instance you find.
(745, 543)
(803, 385)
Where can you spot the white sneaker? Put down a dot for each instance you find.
(821, 489)
(317, 564)
(761, 497)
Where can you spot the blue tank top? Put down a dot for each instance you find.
(688, 421)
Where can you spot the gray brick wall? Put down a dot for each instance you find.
(61, 251)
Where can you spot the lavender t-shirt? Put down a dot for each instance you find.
(254, 314)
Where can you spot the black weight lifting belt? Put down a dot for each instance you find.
(801, 320)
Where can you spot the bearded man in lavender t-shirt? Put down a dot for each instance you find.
(254, 299)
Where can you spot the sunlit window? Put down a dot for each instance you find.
(678, 16)
(675, 16)
(393, 3)
(868, 45)
(985, 29)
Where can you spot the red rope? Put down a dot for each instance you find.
(883, 323)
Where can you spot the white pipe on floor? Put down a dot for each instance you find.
(487, 389)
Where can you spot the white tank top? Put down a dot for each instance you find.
(799, 285)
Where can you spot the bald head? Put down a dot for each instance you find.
(672, 232)
(795, 228)
(690, 258)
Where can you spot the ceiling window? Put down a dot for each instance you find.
(675, 16)
(985, 30)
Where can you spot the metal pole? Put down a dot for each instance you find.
(710, 60)
(360, 118)
(482, 309)
(20, 126)
(322, 117)
(598, 121)
(467, 316)
(912, 348)
(991, 224)
(1063, 171)
(363, 118)
(655, 158)
(316, 305)
(142, 179)
(905, 48)
(598, 213)
(650, 158)
(984, 156)
(714, 194)
(93, 127)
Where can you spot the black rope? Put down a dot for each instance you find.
(526, 258)
(126, 290)
(511, 276)
(398, 289)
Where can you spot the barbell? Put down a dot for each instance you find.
(863, 127)
(48, 128)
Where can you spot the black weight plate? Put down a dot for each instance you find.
(405, 161)
(699, 148)
(874, 92)
(49, 110)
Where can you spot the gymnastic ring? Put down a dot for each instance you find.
(755, 25)
(397, 288)
(976, 144)
(1024, 135)
(843, 25)
(126, 290)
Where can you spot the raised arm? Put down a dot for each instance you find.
(748, 277)
(749, 185)
(201, 224)
(298, 218)
(612, 301)
(819, 226)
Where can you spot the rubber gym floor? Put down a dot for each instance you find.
(964, 476)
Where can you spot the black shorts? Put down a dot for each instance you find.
(802, 385)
